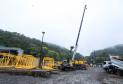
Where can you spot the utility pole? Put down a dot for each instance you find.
(76, 45)
(93, 57)
(41, 55)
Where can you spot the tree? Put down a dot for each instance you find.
(32, 45)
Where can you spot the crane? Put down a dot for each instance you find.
(76, 45)
(67, 65)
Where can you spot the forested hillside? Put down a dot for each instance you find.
(33, 46)
(102, 55)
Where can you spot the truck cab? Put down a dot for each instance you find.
(106, 64)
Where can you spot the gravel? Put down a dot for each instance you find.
(90, 76)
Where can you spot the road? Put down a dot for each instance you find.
(90, 76)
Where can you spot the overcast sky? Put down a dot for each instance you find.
(60, 19)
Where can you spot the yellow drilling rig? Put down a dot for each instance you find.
(74, 63)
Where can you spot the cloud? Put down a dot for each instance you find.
(60, 19)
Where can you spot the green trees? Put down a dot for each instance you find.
(99, 57)
(32, 45)
(102, 55)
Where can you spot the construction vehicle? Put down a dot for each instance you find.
(66, 66)
(115, 65)
(48, 63)
(80, 64)
(74, 64)
(13, 60)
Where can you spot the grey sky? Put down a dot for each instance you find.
(60, 19)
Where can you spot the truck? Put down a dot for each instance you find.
(115, 65)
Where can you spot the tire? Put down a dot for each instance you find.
(120, 72)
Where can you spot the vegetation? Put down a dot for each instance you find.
(33, 46)
(102, 55)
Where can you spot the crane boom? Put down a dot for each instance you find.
(76, 45)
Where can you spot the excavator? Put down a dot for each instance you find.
(74, 64)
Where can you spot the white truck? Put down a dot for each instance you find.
(115, 65)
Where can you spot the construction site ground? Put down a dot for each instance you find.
(94, 75)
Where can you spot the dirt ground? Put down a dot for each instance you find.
(90, 76)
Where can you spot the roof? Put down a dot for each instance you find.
(19, 50)
(10, 48)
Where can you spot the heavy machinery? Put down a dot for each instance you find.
(13, 60)
(48, 63)
(80, 64)
(115, 65)
(66, 66)
(74, 64)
